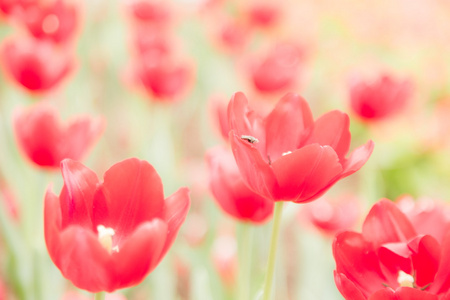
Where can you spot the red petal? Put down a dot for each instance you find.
(38, 133)
(426, 256)
(245, 121)
(442, 279)
(132, 193)
(139, 254)
(52, 224)
(257, 173)
(175, 211)
(82, 260)
(385, 223)
(358, 262)
(357, 159)
(408, 293)
(347, 288)
(304, 172)
(393, 258)
(230, 191)
(384, 294)
(77, 195)
(332, 129)
(287, 125)
(81, 135)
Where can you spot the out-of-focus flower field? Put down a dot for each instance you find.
(98, 82)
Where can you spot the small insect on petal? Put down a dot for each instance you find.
(249, 139)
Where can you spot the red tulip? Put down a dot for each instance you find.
(287, 156)
(15, 8)
(230, 191)
(164, 80)
(45, 141)
(381, 98)
(390, 260)
(331, 216)
(279, 70)
(56, 21)
(108, 235)
(153, 12)
(263, 14)
(36, 65)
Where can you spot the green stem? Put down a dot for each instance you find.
(273, 250)
(100, 296)
(245, 261)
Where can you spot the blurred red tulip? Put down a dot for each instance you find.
(428, 216)
(230, 191)
(287, 156)
(390, 260)
(15, 8)
(233, 35)
(331, 216)
(152, 12)
(164, 80)
(57, 20)
(108, 235)
(381, 98)
(278, 70)
(38, 66)
(46, 141)
(263, 14)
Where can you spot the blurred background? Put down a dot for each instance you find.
(160, 74)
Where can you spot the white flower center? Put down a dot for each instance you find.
(405, 279)
(105, 235)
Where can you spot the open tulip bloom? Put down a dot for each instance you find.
(287, 156)
(108, 235)
(390, 260)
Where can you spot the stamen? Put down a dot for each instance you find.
(105, 235)
(405, 279)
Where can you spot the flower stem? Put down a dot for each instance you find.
(100, 296)
(245, 261)
(273, 250)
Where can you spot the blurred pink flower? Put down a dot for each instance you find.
(57, 20)
(331, 216)
(381, 98)
(45, 140)
(37, 66)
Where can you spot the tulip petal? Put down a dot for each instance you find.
(174, 213)
(441, 282)
(139, 254)
(347, 288)
(304, 172)
(83, 261)
(132, 193)
(402, 293)
(246, 122)
(385, 223)
(38, 134)
(81, 135)
(357, 159)
(52, 224)
(332, 129)
(230, 191)
(256, 173)
(356, 259)
(77, 194)
(287, 125)
(426, 256)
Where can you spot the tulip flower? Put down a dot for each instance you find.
(107, 235)
(279, 70)
(287, 156)
(381, 98)
(38, 66)
(56, 20)
(331, 216)
(230, 191)
(43, 138)
(390, 260)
